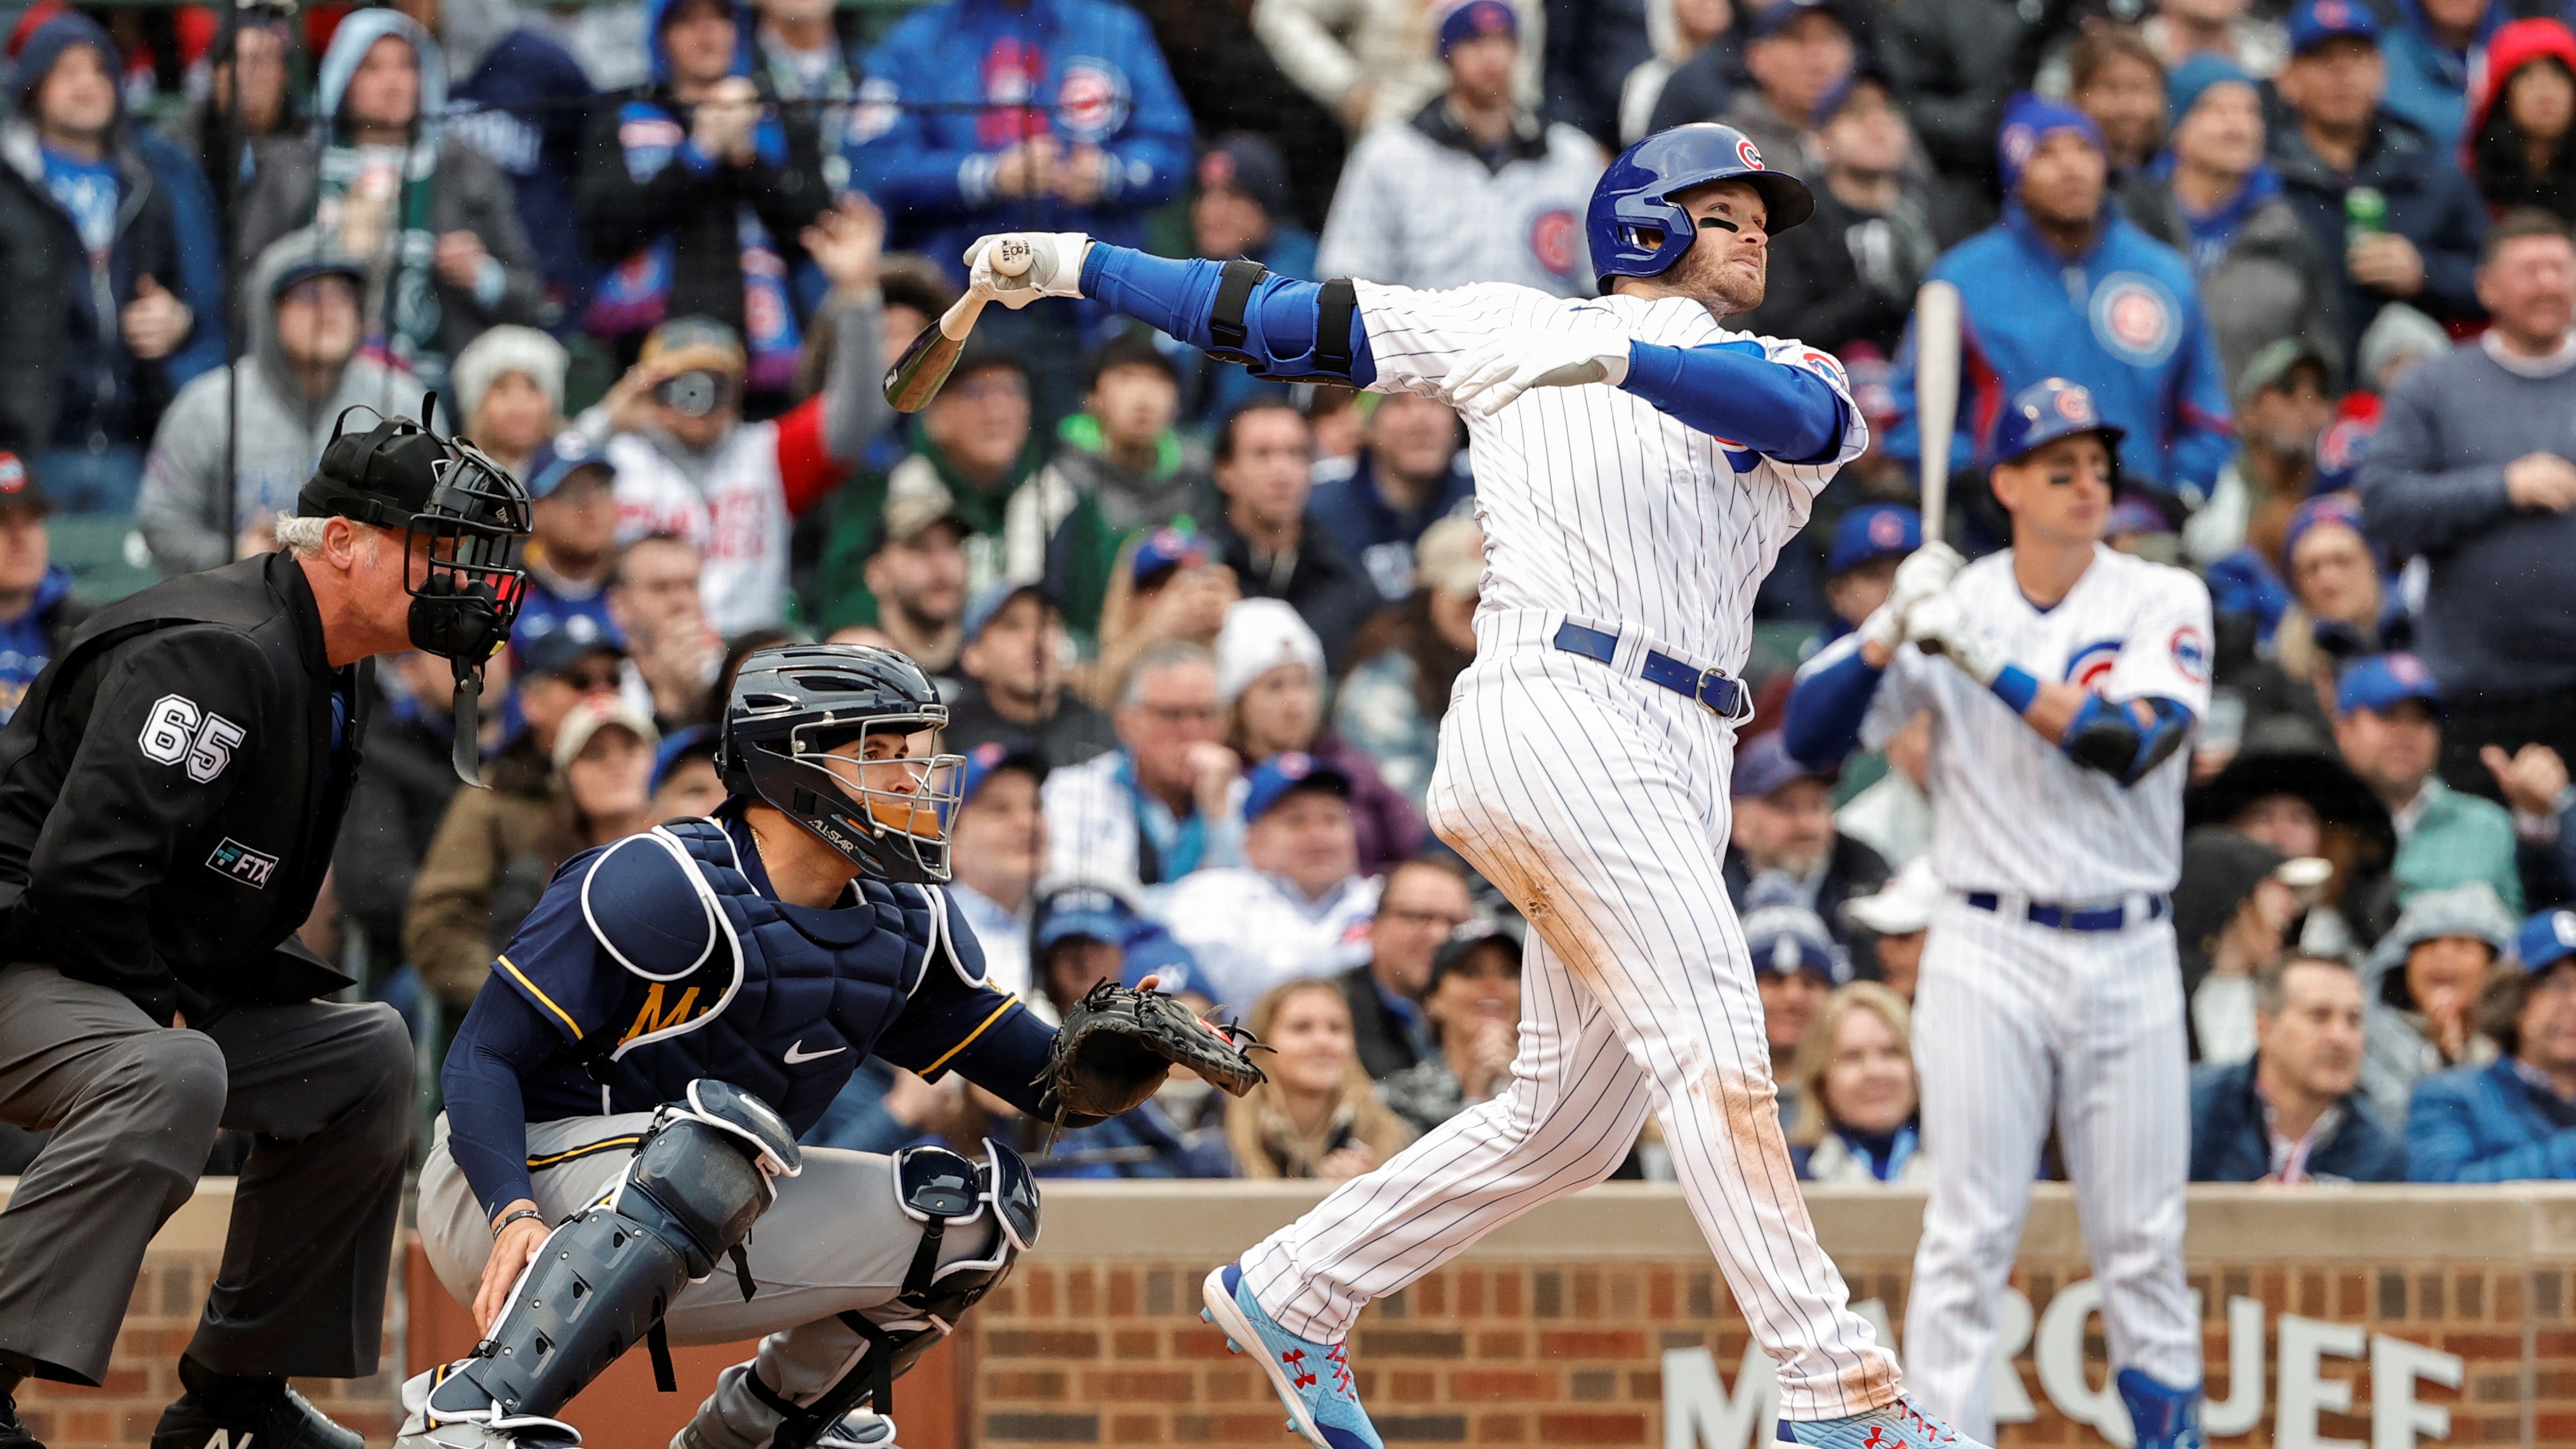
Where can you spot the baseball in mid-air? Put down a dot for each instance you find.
(1011, 258)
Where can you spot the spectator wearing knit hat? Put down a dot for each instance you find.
(90, 262)
(1785, 837)
(1796, 964)
(2423, 981)
(1271, 680)
(2066, 286)
(509, 387)
(1474, 187)
(2340, 140)
(2284, 400)
(2522, 119)
(2511, 1120)
(2211, 195)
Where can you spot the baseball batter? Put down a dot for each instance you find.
(1638, 466)
(2050, 992)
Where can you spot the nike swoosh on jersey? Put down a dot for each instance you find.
(798, 1056)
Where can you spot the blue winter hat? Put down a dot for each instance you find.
(1877, 531)
(2314, 22)
(46, 46)
(2187, 82)
(1785, 938)
(1476, 18)
(2030, 120)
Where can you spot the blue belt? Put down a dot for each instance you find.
(2076, 918)
(1710, 687)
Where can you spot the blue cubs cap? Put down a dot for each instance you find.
(2314, 22)
(2030, 120)
(1765, 765)
(1153, 951)
(994, 756)
(2384, 681)
(1286, 773)
(1166, 548)
(697, 742)
(2044, 412)
(1779, 15)
(2546, 938)
(1093, 911)
(1476, 18)
(559, 650)
(1875, 531)
(990, 603)
(561, 456)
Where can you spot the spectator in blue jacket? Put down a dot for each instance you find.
(2429, 56)
(2514, 1119)
(1018, 115)
(2344, 151)
(2066, 286)
(2293, 1111)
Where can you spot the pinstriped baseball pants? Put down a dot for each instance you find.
(1598, 803)
(2018, 1027)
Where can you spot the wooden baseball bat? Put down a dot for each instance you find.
(917, 376)
(1936, 395)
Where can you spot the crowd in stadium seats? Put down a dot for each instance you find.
(1198, 628)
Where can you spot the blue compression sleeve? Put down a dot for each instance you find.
(1177, 298)
(1729, 390)
(501, 1040)
(1822, 724)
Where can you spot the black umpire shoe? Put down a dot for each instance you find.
(248, 1414)
(13, 1430)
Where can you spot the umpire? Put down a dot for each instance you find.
(169, 793)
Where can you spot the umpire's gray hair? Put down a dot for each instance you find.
(301, 537)
(1170, 654)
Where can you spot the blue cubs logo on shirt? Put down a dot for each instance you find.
(2090, 667)
(2190, 653)
(1091, 101)
(1553, 240)
(2136, 319)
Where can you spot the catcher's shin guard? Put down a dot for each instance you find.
(940, 1190)
(604, 1279)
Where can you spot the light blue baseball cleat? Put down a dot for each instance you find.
(1901, 1425)
(1313, 1379)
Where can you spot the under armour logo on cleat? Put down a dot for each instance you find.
(1877, 1439)
(1295, 1359)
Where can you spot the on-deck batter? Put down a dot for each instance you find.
(2049, 991)
(1630, 507)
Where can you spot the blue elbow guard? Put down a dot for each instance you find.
(1230, 334)
(2108, 737)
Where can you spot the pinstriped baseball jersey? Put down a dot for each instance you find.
(2011, 813)
(1593, 502)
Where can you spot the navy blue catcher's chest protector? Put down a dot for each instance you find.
(782, 1001)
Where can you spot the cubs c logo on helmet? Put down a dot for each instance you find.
(2136, 319)
(1745, 152)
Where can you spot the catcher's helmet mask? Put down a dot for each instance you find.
(795, 707)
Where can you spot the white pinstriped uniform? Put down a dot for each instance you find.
(2017, 1026)
(1598, 802)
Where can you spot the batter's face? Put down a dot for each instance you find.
(1725, 268)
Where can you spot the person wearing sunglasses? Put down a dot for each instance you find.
(627, 1095)
(171, 790)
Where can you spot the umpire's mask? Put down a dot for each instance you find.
(459, 510)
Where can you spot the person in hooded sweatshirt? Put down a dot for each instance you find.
(432, 218)
(524, 101)
(694, 189)
(302, 369)
(2519, 147)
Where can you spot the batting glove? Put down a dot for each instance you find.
(1486, 380)
(1925, 572)
(1055, 266)
(1939, 626)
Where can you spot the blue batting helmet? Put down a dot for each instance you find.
(2044, 412)
(1637, 230)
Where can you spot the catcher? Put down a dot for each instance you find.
(623, 1100)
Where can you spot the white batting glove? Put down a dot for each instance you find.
(1485, 381)
(1939, 626)
(1884, 629)
(1925, 572)
(1055, 267)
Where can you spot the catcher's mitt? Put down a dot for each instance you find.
(1117, 1046)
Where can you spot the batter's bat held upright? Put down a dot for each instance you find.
(1936, 395)
(917, 376)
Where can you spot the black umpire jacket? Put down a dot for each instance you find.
(168, 796)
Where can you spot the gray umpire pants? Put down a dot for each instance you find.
(134, 1107)
(835, 1241)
